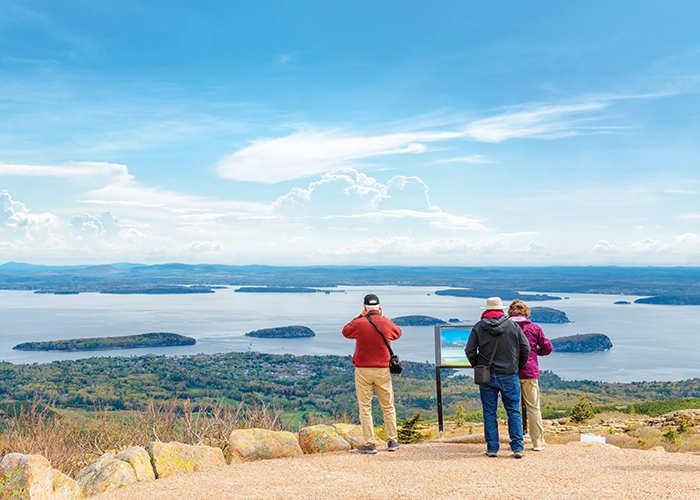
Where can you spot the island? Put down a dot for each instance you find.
(621, 302)
(417, 320)
(505, 295)
(587, 342)
(158, 290)
(283, 332)
(671, 300)
(158, 339)
(548, 315)
(280, 289)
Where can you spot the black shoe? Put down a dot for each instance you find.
(392, 445)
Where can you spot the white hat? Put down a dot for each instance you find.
(494, 303)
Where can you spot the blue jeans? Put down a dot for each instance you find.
(509, 387)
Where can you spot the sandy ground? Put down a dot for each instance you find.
(438, 470)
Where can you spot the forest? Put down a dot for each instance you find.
(299, 386)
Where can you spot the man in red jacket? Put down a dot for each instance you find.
(371, 362)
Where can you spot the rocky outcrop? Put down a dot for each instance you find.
(246, 445)
(106, 473)
(351, 433)
(140, 460)
(31, 477)
(172, 459)
(321, 439)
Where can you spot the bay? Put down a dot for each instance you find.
(650, 342)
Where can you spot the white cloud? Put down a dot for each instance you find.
(18, 218)
(77, 169)
(309, 151)
(204, 246)
(604, 247)
(691, 216)
(647, 246)
(688, 239)
(348, 194)
(466, 159)
(94, 226)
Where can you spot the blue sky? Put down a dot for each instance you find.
(364, 132)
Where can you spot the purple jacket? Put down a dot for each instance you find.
(539, 346)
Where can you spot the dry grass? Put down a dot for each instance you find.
(70, 441)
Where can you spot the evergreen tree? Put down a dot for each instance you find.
(582, 411)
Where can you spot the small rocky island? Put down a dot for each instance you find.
(283, 332)
(587, 342)
(417, 320)
(158, 339)
(548, 315)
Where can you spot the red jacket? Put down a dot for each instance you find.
(370, 350)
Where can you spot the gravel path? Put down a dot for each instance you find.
(434, 470)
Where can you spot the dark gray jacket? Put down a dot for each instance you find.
(513, 348)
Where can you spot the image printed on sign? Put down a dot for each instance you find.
(452, 342)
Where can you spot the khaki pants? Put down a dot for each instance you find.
(530, 390)
(366, 381)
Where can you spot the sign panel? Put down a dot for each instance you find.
(450, 342)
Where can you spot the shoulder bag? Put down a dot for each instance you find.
(394, 363)
(482, 373)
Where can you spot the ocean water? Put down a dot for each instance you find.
(650, 342)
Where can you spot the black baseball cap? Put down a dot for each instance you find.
(371, 300)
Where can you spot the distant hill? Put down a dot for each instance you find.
(283, 332)
(417, 320)
(160, 339)
(587, 342)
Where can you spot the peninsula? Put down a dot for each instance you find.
(158, 339)
(283, 332)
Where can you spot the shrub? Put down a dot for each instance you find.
(582, 411)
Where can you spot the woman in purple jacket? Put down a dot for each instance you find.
(529, 387)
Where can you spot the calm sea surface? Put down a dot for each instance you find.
(650, 342)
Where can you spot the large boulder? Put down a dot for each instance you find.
(107, 473)
(321, 439)
(352, 433)
(255, 444)
(31, 477)
(172, 459)
(140, 460)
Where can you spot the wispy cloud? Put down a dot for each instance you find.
(311, 151)
(81, 169)
(466, 159)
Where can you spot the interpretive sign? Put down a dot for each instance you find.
(450, 341)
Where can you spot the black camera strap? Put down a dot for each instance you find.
(380, 331)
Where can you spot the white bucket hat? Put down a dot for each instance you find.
(493, 304)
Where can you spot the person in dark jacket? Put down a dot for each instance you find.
(519, 312)
(371, 360)
(496, 331)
